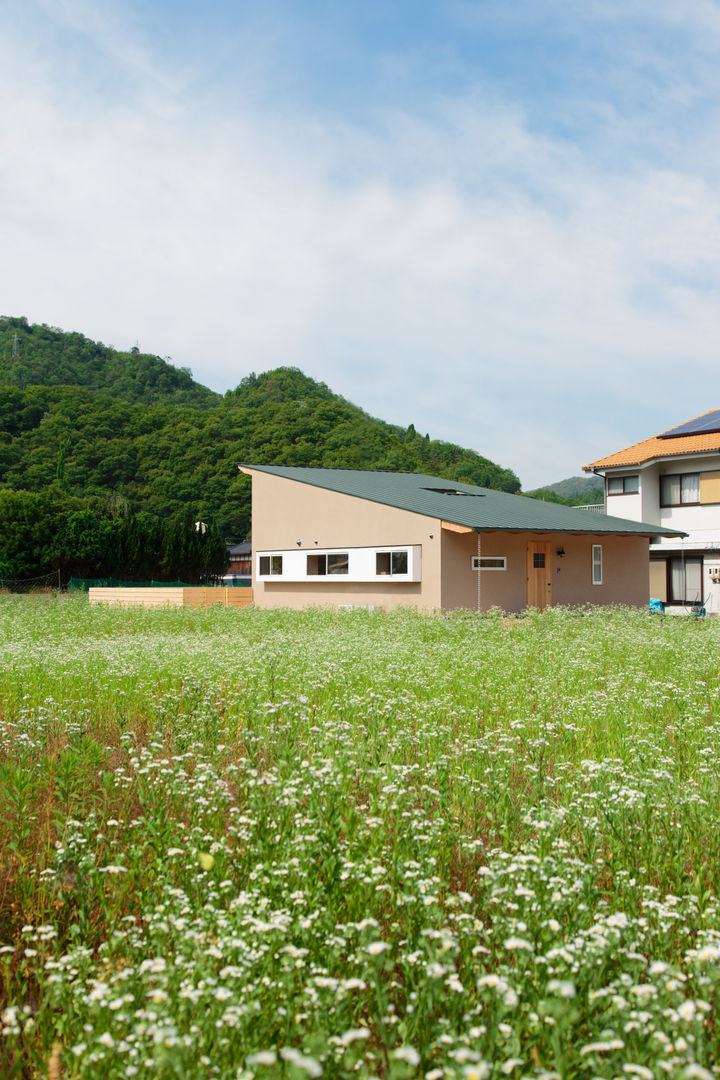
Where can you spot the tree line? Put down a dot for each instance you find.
(50, 531)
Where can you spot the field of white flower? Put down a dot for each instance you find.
(245, 844)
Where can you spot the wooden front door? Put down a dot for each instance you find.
(539, 580)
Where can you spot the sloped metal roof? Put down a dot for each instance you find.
(481, 509)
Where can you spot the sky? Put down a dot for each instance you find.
(497, 221)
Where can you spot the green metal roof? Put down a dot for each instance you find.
(478, 508)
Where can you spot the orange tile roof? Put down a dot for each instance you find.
(656, 447)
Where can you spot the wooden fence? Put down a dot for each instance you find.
(173, 596)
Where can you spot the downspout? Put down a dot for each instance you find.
(479, 574)
(596, 472)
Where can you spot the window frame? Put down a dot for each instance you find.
(684, 560)
(323, 558)
(392, 556)
(478, 560)
(623, 480)
(679, 477)
(596, 564)
(274, 565)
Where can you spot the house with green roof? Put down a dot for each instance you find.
(346, 538)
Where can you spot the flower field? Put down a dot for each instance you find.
(273, 844)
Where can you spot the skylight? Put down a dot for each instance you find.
(454, 491)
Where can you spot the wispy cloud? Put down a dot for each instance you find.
(448, 262)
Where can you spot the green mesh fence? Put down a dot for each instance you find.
(42, 583)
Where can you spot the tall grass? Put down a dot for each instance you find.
(276, 844)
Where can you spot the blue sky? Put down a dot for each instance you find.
(499, 222)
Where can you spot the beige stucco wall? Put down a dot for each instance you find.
(459, 580)
(285, 511)
(496, 588)
(625, 570)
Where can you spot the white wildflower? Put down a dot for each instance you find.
(300, 1061)
(262, 1057)
(517, 943)
(354, 1035)
(562, 988)
(478, 1071)
(408, 1054)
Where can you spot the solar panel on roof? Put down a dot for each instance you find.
(702, 425)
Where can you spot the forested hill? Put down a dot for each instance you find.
(118, 436)
(44, 356)
(575, 491)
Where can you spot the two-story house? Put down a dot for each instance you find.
(673, 480)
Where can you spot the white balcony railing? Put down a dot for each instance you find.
(596, 508)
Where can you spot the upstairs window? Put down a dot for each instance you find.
(623, 485)
(680, 490)
(391, 562)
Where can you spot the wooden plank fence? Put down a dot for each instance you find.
(172, 596)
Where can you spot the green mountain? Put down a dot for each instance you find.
(575, 491)
(44, 356)
(139, 445)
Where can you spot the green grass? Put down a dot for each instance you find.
(277, 844)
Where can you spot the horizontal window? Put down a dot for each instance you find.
(680, 489)
(391, 562)
(489, 562)
(270, 565)
(323, 567)
(332, 563)
(623, 485)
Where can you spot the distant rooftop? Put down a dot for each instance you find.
(240, 549)
(451, 501)
(698, 436)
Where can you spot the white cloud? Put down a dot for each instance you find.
(507, 290)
